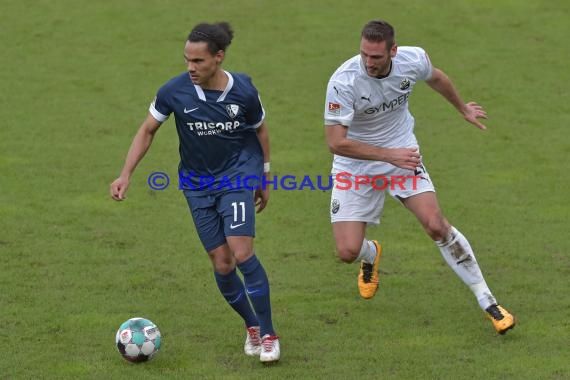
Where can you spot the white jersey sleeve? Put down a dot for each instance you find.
(423, 68)
(339, 105)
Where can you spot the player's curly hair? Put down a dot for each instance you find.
(378, 31)
(218, 35)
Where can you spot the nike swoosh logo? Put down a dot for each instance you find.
(252, 291)
(236, 226)
(192, 110)
(237, 298)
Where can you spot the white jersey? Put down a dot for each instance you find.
(375, 110)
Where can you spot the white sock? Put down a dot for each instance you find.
(367, 252)
(458, 254)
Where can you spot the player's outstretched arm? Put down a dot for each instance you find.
(338, 143)
(471, 111)
(139, 147)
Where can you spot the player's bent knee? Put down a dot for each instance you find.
(223, 264)
(242, 256)
(224, 268)
(437, 228)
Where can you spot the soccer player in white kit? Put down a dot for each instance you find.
(370, 130)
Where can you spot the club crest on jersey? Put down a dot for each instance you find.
(232, 109)
(405, 84)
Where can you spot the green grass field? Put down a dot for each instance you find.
(76, 81)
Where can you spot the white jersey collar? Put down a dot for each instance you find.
(223, 95)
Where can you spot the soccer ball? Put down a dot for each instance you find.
(138, 340)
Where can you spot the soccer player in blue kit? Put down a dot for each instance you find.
(223, 139)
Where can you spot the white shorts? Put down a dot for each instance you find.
(360, 198)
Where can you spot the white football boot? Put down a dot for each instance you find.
(252, 346)
(270, 350)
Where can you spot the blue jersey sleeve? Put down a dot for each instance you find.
(255, 112)
(160, 107)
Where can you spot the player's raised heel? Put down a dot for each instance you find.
(252, 346)
(502, 320)
(368, 277)
(270, 350)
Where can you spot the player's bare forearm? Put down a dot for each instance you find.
(471, 111)
(357, 149)
(441, 83)
(262, 194)
(338, 143)
(139, 146)
(263, 136)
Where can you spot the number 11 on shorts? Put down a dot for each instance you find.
(239, 206)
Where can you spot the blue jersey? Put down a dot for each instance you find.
(219, 147)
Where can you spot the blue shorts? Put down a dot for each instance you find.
(228, 213)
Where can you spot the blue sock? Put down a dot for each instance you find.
(232, 289)
(257, 287)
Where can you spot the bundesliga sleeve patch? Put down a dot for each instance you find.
(334, 109)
